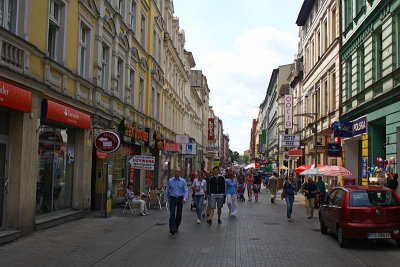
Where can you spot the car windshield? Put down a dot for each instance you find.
(373, 199)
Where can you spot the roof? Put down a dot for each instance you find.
(353, 188)
(304, 12)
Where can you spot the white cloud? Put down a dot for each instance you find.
(238, 79)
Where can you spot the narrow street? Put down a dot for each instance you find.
(258, 236)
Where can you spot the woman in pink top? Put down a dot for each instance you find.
(250, 184)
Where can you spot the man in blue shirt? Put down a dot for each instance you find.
(178, 192)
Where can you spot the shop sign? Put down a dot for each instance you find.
(182, 139)
(334, 150)
(101, 155)
(15, 98)
(296, 153)
(189, 149)
(160, 145)
(288, 112)
(107, 141)
(364, 167)
(290, 140)
(360, 126)
(143, 162)
(215, 163)
(138, 136)
(60, 113)
(342, 129)
(171, 147)
(211, 127)
(212, 149)
(264, 137)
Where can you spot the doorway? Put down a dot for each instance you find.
(3, 181)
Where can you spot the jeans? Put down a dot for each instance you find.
(175, 221)
(199, 205)
(289, 205)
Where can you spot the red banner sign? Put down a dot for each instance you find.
(296, 153)
(101, 155)
(15, 98)
(107, 141)
(60, 113)
(211, 129)
(171, 147)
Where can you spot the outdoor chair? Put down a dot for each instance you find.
(132, 207)
(154, 198)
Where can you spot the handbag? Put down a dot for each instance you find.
(283, 195)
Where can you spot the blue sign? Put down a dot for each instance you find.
(333, 150)
(360, 126)
(364, 168)
(342, 129)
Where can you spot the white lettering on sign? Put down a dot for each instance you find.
(359, 126)
(4, 91)
(290, 140)
(288, 112)
(145, 162)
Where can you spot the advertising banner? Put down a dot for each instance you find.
(182, 138)
(212, 148)
(288, 112)
(342, 129)
(146, 162)
(171, 147)
(189, 149)
(296, 153)
(290, 140)
(211, 135)
(334, 150)
(264, 137)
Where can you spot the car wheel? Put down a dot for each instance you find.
(342, 241)
(323, 228)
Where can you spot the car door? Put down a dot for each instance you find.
(328, 207)
(337, 208)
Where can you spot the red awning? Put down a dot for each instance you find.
(60, 113)
(15, 98)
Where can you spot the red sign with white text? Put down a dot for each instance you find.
(60, 113)
(171, 147)
(15, 98)
(288, 112)
(101, 155)
(107, 141)
(211, 129)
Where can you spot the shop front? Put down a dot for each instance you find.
(15, 107)
(60, 157)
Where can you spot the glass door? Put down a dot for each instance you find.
(3, 180)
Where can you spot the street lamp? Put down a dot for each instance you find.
(315, 116)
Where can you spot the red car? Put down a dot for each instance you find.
(361, 212)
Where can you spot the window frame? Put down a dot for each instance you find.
(105, 66)
(87, 46)
(133, 16)
(143, 31)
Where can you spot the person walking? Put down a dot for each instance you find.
(273, 185)
(250, 184)
(200, 191)
(178, 192)
(310, 189)
(289, 189)
(217, 194)
(321, 189)
(231, 190)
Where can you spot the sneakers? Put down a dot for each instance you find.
(147, 213)
(209, 221)
(219, 221)
(143, 214)
(198, 221)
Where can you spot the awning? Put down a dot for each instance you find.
(63, 114)
(14, 97)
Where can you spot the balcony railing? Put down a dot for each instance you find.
(12, 55)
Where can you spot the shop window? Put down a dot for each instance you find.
(55, 169)
(8, 14)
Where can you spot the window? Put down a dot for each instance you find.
(154, 43)
(143, 31)
(325, 98)
(141, 95)
(55, 35)
(104, 66)
(360, 69)
(132, 81)
(348, 78)
(325, 36)
(333, 92)
(121, 8)
(359, 5)
(8, 14)
(373, 199)
(120, 79)
(318, 45)
(378, 55)
(159, 50)
(133, 14)
(338, 197)
(84, 50)
(348, 12)
(153, 102)
(333, 24)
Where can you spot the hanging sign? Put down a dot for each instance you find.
(288, 112)
(182, 138)
(101, 155)
(211, 135)
(290, 140)
(171, 147)
(146, 162)
(189, 149)
(296, 153)
(334, 150)
(107, 141)
(212, 149)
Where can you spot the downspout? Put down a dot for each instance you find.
(340, 67)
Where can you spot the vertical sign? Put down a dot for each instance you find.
(264, 137)
(288, 112)
(211, 129)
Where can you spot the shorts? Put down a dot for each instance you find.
(249, 187)
(216, 201)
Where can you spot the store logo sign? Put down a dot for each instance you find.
(288, 112)
(107, 141)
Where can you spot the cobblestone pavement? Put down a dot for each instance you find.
(259, 236)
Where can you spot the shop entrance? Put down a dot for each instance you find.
(55, 169)
(3, 180)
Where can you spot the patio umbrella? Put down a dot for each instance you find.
(306, 167)
(335, 171)
(250, 166)
(313, 172)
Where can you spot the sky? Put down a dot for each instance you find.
(237, 44)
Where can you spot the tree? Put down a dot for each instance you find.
(234, 155)
(246, 159)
